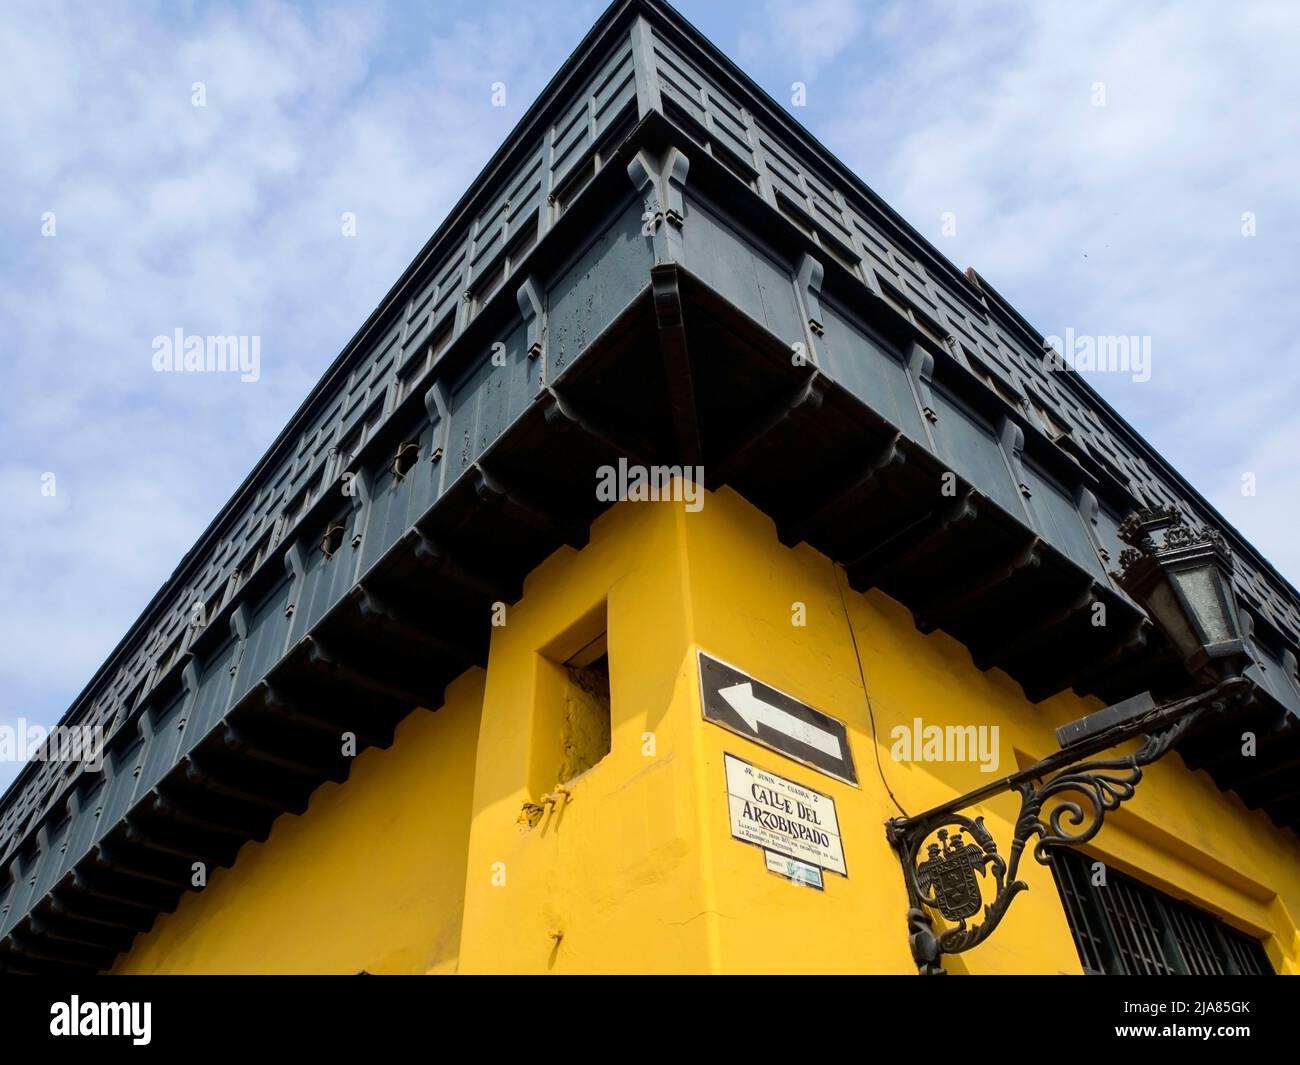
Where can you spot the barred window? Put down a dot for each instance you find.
(1127, 928)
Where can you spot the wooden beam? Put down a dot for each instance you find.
(861, 485)
(670, 318)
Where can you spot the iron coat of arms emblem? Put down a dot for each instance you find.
(948, 874)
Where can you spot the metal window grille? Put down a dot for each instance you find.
(1127, 928)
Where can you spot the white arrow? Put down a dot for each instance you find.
(753, 710)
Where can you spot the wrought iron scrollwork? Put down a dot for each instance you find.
(1136, 532)
(1064, 800)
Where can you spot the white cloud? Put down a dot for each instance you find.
(223, 219)
(810, 34)
(1115, 220)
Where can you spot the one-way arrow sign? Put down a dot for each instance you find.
(746, 706)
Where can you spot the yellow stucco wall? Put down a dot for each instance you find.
(371, 877)
(635, 869)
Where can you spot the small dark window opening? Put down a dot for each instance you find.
(735, 164)
(487, 288)
(1125, 928)
(587, 726)
(440, 342)
(1001, 390)
(297, 506)
(523, 243)
(893, 297)
(573, 185)
(344, 453)
(213, 607)
(1056, 430)
(169, 654)
(407, 456)
(254, 558)
(202, 613)
(136, 696)
(613, 138)
(332, 540)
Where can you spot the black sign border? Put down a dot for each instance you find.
(754, 738)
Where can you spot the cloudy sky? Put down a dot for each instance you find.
(1101, 162)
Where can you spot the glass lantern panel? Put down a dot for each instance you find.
(1168, 611)
(1201, 588)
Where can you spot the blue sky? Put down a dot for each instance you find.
(1122, 219)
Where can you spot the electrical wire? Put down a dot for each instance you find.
(862, 675)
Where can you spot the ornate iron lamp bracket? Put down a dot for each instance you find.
(1064, 799)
